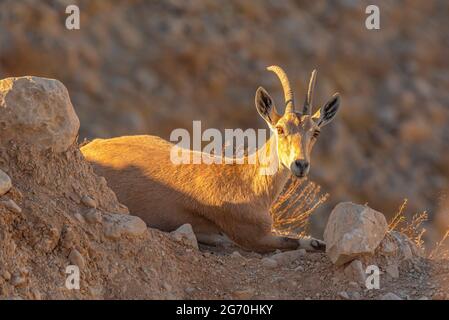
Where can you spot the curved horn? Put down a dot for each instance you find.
(308, 103)
(288, 93)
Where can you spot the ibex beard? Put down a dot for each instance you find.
(220, 201)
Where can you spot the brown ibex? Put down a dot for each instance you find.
(217, 199)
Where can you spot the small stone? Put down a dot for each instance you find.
(118, 225)
(79, 217)
(93, 216)
(12, 206)
(5, 183)
(390, 296)
(18, 280)
(68, 238)
(356, 295)
(167, 286)
(6, 275)
(344, 295)
(236, 254)
(299, 268)
(287, 257)
(77, 259)
(89, 202)
(269, 263)
(354, 271)
(244, 294)
(189, 290)
(392, 270)
(185, 234)
(354, 285)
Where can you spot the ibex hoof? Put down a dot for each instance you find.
(318, 245)
(312, 244)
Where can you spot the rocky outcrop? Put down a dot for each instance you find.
(353, 230)
(37, 111)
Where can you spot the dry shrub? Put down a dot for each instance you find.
(440, 250)
(291, 211)
(414, 229)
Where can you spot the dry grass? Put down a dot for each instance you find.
(414, 229)
(297, 202)
(440, 250)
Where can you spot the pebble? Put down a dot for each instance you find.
(299, 268)
(189, 290)
(6, 275)
(269, 263)
(236, 254)
(390, 296)
(79, 217)
(93, 216)
(5, 183)
(244, 294)
(77, 259)
(89, 202)
(344, 295)
(18, 280)
(392, 270)
(12, 206)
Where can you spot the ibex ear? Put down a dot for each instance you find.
(327, 112)
(265, 106)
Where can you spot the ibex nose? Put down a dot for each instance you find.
(300, 167)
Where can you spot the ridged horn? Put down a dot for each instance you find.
(308, 103)
(288, 93)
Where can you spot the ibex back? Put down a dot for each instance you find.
(217, 199)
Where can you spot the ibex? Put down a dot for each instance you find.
(217, 199)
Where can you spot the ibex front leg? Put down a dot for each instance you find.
(260, 238)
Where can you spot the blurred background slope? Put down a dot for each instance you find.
(153, 66)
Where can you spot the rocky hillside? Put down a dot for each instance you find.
(56, 212)
(151, 66)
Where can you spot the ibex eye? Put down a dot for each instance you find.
(280, 130)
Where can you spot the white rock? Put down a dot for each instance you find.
(406, 246)
(287, 257)
(77, 259)
(236, 254)
(355, 272)
(299, 269)
(392, 270)
(5, 183)
(390, 296)
(37, 111)
(344, 295)
(89, 202)
(93, 216)
(353, 230)
(185, 235)
(11, 205)
(269, 263)
(244, 294)
(118, 225)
